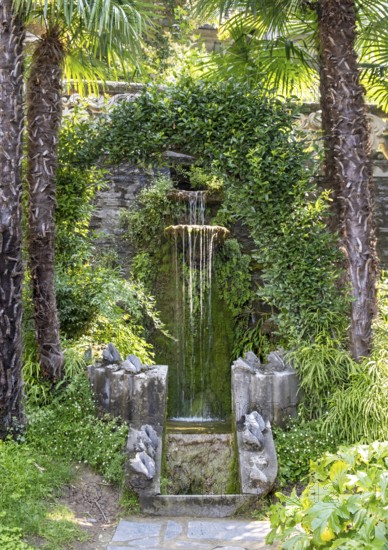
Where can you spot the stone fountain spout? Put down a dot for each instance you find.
(219, 232)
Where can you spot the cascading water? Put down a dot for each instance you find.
(195, 388)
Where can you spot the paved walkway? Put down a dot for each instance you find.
(189, 534)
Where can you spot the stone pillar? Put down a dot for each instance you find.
(270, 389)
(137, 393)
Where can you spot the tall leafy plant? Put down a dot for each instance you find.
(357, 411)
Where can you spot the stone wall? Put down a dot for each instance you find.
(380, 176)
(126, 181)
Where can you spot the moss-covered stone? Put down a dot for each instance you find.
(199, 366)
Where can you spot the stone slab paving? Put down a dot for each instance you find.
(190, 534)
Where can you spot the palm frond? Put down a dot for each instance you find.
(103, 31)
(286, 63)
(274, 13)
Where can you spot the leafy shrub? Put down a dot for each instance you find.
(201, 179)
(77, 182)
(68, 428)
(98, 302)
(233, 271)
(234, 276)
(145, 225)
(143, 269)
(298, 444)
(11, 539)
(344, 505)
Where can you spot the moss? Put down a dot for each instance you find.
(234, 485)
(206, 354)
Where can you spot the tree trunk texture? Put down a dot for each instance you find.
(348, 162)
(11, 273)
(330, 182)
(44, 110)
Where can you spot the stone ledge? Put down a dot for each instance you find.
(208, 506)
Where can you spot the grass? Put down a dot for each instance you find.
(34, 470)
(30, 482)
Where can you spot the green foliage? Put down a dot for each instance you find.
(143, 269)
(201, 179)
(145, 225)
(267, 186)
(77, 182)
(234, 276)
(248, 142)
(100, 305)
(218, 124)
(344, 505)
(298, 444)
(251, 339)
(11, 539)
(323, 366)
(29, 481)
(172, 52)
(96, 304)
(68, 428)
(358, 410)
(233, 271)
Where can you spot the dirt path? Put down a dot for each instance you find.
(96, 508)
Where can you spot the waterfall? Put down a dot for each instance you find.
(194, 245)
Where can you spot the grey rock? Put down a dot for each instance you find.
(151, 435)
(251, 441)
(143, 440)
(255, 420)
(113, 367)
(128, 366)
(111, 355)
(254, 426)
(256, 476)
(173, 530)
(143, 464)
(275, 361)
(260, 461)
(135, 530)
(134, 441)
(135, 362)
(252, 359)
(137, 464)
(242, 365)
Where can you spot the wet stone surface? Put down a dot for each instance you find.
(186, 533)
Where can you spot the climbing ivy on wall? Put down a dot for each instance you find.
(248, 141)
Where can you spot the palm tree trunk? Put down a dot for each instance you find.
(330, 182)
(11, 273)
(349, 163)
(44, 110)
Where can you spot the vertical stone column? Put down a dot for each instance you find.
(137, 393)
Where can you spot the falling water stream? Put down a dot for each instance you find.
(193, 255)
